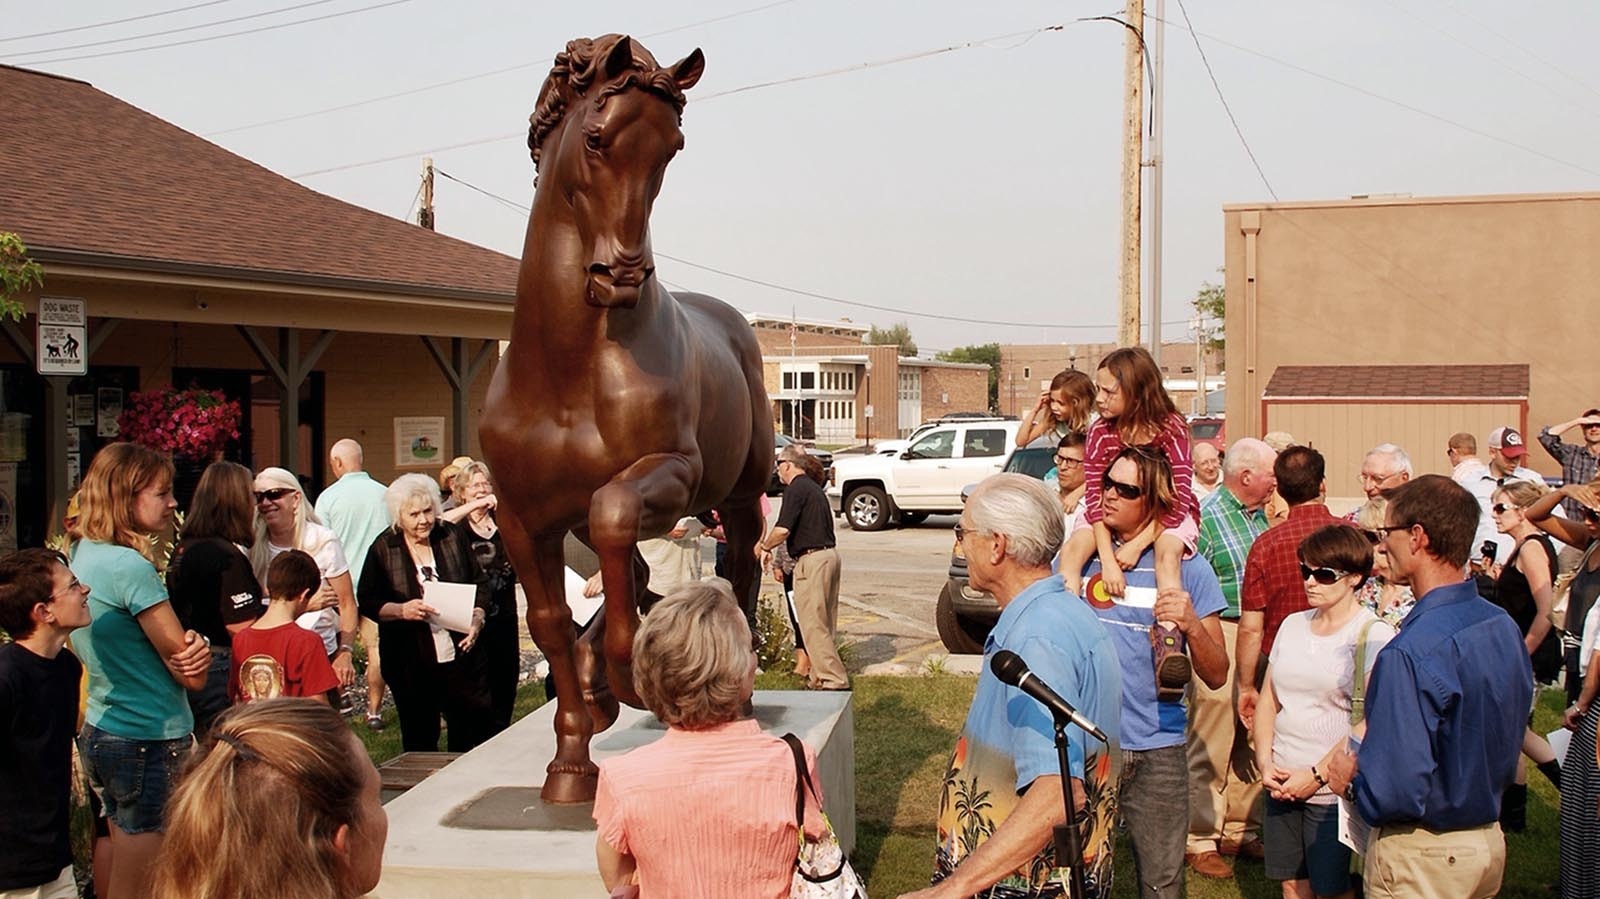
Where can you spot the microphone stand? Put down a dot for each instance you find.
(1066, 835)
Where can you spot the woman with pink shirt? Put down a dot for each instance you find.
(708, 810)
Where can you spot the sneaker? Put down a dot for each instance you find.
(374, 721)
(1209, 864)
(1173, 669)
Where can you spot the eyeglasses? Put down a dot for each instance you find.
(75, 587)
(962, 532)
(1383, 532)
(1067, 461)
(1126, 491)
(1323, 576)
(273, 495)
(1378, 479)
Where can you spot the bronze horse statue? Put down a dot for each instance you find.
(618, 408)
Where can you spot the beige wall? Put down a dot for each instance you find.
(1343, 432)
(967, 391)
(1483, 280)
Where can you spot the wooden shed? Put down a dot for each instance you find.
(1345, 410)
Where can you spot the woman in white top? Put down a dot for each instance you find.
(285, 520)
(1307, 711)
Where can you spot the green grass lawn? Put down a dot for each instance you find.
(905, 729)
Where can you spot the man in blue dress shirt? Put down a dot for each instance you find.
(1446, 710)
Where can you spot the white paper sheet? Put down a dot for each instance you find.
(1560, 739)
(583, 607)
(454, 604)
(1354, 831)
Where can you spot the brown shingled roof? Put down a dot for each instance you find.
(91, 180)
(1371, 382)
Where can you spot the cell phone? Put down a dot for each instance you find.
(1489, 550)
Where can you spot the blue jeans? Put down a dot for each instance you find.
(132, 777)
(212, 700)
(1155, 807)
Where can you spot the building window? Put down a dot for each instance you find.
(808, 380)
(788, 380)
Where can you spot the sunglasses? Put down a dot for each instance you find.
(1502, 508)
(1126, 491)
(1373, 537)
(273, 495)
(1323, 576)
(1590, 514)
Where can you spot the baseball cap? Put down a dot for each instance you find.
(1508, 442)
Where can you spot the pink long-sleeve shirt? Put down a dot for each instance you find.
(1102, 444)
(706, 814)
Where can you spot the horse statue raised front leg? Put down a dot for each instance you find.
(617, 408)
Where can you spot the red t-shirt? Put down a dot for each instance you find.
(286, 660)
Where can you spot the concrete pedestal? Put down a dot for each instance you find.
(477, 827)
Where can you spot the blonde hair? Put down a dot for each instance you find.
(106, 495)
(465, 475)
(691, 656)
(256, 810)
(260, 552)
(1521, 493)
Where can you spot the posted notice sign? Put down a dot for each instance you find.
(63, 335)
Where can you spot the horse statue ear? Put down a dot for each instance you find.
(686, 73)
(620, 59)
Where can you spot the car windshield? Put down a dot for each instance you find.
(1205, 429)
(1032, 461)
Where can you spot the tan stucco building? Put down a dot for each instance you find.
(1505, 289)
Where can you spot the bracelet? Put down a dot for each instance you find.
(345, 647)
(1320, 779)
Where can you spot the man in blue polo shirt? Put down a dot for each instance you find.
(1446, 710)
(1003, 793)
(1137, 490)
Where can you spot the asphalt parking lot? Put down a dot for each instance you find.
(889, 584)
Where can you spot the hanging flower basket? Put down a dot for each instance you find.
(190, 424)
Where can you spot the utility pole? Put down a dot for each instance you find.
(1157, 101)
(1132, 173)
(425, 214)
(1199, 368)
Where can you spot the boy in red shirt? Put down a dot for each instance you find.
(274, 656)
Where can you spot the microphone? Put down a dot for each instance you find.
(1013, 672)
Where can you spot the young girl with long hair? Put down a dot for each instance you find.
(281, 801)
(1135, 410)
(1062, 409)
(137, 728)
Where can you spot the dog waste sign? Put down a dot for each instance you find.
(63, 335)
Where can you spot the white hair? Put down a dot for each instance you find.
(1247, 454)
(410, 491)
(1402, 462)
(1023, 509)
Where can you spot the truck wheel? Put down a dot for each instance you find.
(867, 509)
(961, 636)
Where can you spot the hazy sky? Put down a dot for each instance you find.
(979, 183)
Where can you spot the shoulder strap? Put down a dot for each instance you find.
(802, 782)
(1358, 688)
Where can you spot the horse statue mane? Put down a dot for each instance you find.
(575, 70)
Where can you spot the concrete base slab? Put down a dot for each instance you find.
(478, 828)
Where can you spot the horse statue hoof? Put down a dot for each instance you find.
(569, 784)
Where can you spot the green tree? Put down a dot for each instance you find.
(898, 333)
(17, 273)
(1210, 304)
(985, 354)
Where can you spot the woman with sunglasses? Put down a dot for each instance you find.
(1580, 776)
(285, 520)
(1381, 596)
(1525, 588)
(1307, 711)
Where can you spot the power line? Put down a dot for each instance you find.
(165, 32)
(218, 37)
(514, 205)
(701, 99)
(148, 15)
(1224, 100)
(474, 77)
(1548, 64)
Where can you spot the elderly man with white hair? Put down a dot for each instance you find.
(1010, 530)
(1385, 467)
(1224, 812)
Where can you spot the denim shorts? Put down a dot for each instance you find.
(1302, 843)
(132, 777)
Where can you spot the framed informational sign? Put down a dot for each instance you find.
(63, 331)
(108, 404)
(419, 441)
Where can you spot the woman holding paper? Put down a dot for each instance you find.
(424, 587)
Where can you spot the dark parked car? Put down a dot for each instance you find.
(964, 616)
(780, 441)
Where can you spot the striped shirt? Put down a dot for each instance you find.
(1578, 466)
(1227, 531)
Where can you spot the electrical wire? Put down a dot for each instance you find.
(1224, 100)
(165, 32)
(412, 208)
(148, 15)
(474, 77)
(1535, 56)
(218, 37)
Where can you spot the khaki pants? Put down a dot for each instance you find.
(816, 606)
(1411, 862)
(63, 887)
(1222, 808)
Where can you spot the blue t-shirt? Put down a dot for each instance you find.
(131, 692)
(1146, 723)
(354, 509)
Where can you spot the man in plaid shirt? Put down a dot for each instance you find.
(1578, 463)
(1224, 814)
(1273, 588)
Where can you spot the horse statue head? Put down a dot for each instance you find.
(606, 125)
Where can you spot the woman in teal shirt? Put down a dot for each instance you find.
(139, 658)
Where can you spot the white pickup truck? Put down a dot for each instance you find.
(925, 479)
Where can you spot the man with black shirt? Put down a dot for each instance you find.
(40, 604)
(805, 525)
